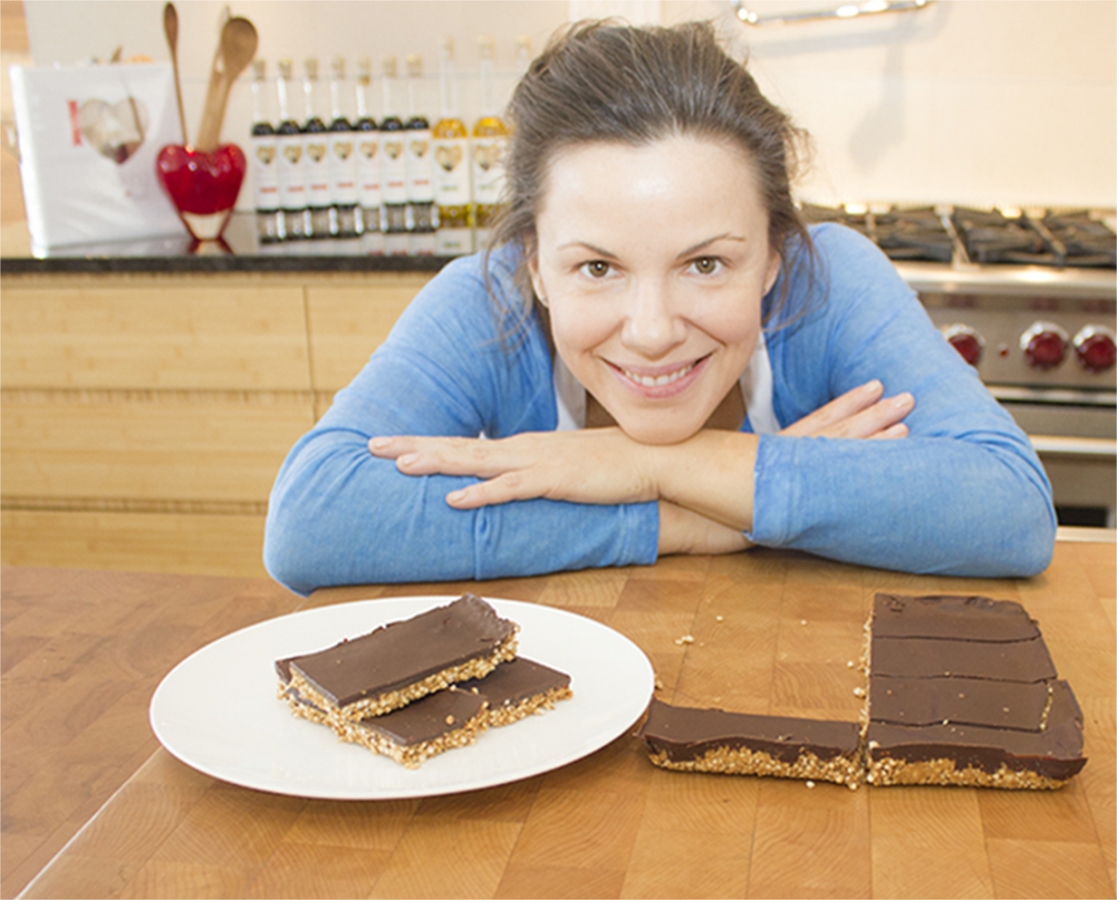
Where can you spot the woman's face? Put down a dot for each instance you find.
(653, 262)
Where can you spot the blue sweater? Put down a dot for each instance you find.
(964, 494)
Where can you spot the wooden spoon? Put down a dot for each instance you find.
(170, 29)
(237, 47)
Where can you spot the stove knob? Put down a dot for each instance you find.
(1095, 348)
(966, 341)
(1044, 345)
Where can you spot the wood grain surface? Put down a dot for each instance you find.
(763, 632)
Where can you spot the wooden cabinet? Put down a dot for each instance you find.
(145, 416)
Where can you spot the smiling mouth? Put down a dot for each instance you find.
(661, 380)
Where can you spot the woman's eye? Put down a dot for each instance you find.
(706, 265)
(597, 268)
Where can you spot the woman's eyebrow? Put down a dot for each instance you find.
(598, 250)
(701, 245)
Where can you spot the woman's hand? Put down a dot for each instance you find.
(863, 412)
(596, 465)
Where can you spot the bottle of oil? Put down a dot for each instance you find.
(490, 138)
(420, 187)
(268, 218)
(393, 163)
(367, 141)
(345, 218)
(315, 157)
(451, 151)
(295, 218)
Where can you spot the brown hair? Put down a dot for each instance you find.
(604, 82)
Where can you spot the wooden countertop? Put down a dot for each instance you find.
(93, 807)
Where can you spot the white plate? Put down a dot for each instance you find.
(217, 710)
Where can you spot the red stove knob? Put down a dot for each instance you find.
(966, 341)
(1044, 345)
(1095, 348)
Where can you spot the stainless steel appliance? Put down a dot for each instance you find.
(1028, 297)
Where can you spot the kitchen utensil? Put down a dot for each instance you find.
(235, 51)
(170, 29)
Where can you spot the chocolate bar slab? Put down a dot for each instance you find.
(402, 661)
(1026, 660)
(980, 756)
(958, 618)
(958, 701)
(422, 729)
(518, 688)
(712, 740)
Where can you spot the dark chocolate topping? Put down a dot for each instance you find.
(401, 653)
(961, 701)
(1055, 752)
(428, 718)
(686, 733)
(931, 657)
(960, 618)
(514, 681)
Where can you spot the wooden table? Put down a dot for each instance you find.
(93, 807)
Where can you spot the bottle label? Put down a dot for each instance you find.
(368, 169)
(289, 171)
(343, 168)
(488, 169)
(265, 172)
(419, 156)
(393, 167)
(316, 169)
(451, 171)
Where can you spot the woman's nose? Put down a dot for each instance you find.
(652, 326)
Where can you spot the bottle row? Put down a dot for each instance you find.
(341, 174)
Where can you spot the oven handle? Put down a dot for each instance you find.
(1074, 446)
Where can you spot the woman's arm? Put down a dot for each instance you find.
(338, 515)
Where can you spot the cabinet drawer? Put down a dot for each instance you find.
(348, 322)
(249, 337)
(148, 446)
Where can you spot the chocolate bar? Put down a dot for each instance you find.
(712, 740)
(519, 688)
(401, 662)
(981, 756)
(962, 691)
(422, 729)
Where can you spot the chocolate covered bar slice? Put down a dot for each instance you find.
(952, 617)
(519, 688)
(422, 729)
(400, 662)
(712, 740)
(981, 756)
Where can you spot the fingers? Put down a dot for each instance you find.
(859, 413)
(836, 411)
(445, 455)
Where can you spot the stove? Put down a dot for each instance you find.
(1029, 298)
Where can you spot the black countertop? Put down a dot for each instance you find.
(240, 252)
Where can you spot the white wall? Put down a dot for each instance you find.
(968, 101)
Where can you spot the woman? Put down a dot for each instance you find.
(659, 357)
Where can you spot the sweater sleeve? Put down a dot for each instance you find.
(963, 494)
(338, 515)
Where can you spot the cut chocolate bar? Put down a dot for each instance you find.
(1026, 660)
(962, 691)
(519, 688)
(959, 701)
(712, 740)
(981, 756)
(403, 661)
(422, 729)
(958, 618)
